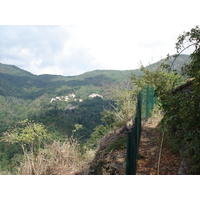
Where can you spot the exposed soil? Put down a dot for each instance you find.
(150, 149)
(113, 162)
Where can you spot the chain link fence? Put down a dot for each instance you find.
(145, 103)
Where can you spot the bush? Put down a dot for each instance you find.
(97, 135)
(182, 110)
(57, 159)
(119, 143)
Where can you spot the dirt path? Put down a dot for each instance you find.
(114, 161)
(149, 151)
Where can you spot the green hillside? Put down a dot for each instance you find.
(24, 95)
(19, 83)
(42, 98)
(13, 70)
(176, 63)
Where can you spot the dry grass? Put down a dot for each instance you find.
(57, 159)
(5, 173)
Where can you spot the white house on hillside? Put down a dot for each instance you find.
(95, 95)
(66, 98)
(72, 95)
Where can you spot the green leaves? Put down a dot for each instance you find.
(162, 81)
(98, 134)
(191, 38)
(77, 127)
(26, 133)
(181, 106)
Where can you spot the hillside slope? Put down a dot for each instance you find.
(110, 158)
(176, 63)
(43, 99)
(17, 82)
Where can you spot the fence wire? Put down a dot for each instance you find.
(145, 104)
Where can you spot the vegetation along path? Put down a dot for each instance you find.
(152, 149)
(154, 154)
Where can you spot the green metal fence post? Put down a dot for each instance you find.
(138, 116)
(133, 138)
(147, 103)
(131, 152)
(140, 106)
(152, 98)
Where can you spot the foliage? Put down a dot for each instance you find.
(107, 124)
(179, 104)
(181, 122)
(122, 110)
(19, 83)
(176, 63)
(28, 135)
(182, 108)
(27, 96)
(9, 157)
(122, 104)
(57, 158)
(40, 156)
(77, 127)
(120, 143)
(163, 81)
(191, 38)
(96, 136)
(86, 115)
(182, 111)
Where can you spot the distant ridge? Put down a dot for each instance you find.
(23, 84)
(13, 70)
(178, 62)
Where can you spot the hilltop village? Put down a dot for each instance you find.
(72, 97)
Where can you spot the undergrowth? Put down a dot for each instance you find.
(58, 158)
(120, 143)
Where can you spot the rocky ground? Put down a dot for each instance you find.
(110, 158)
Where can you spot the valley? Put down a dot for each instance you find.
(68, 106)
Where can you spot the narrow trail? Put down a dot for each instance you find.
(114, 161)
(150, 149)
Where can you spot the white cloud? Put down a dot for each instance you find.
(106, 35)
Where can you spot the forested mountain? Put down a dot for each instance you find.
(65, 105)
(23, 93)
(16, 82)
(42, 98)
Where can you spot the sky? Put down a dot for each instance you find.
(70, 37)
(73, 37)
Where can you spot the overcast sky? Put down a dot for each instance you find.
(91, 34)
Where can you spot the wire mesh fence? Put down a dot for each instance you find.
(145, 103)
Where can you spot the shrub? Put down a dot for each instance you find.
(119, 143)
(57, 158)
